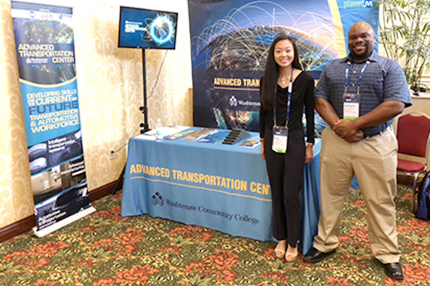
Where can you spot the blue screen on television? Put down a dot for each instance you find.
(147, 29)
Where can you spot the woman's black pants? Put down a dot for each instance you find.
(286, 177)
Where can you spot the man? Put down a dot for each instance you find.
(358, 96)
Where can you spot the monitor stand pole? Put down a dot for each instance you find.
(144, 108)
(144, 126)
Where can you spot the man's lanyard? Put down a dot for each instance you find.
(290, 90)
(360, 79)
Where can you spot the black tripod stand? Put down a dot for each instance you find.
(144, 127)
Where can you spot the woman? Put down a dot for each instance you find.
(283, 140)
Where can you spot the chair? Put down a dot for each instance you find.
(413, 136)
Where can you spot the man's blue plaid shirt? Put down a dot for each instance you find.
(383, 80)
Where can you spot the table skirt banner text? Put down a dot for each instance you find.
(182, 192)
(218, 186)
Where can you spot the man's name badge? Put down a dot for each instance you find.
(280, 139)
(351, 106)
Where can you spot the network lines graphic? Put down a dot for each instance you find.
(241, 40)
(238, 43)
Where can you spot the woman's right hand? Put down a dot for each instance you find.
(262, 150)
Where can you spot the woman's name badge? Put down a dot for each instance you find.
(351, 106)
(280, 139)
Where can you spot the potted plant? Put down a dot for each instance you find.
(404, 32)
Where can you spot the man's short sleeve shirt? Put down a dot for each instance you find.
(383, 80)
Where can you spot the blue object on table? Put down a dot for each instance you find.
(217, 186)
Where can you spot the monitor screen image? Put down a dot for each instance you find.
(147, 29)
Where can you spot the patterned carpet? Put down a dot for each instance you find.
(106, 249)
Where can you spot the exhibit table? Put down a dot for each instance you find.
(213, 185)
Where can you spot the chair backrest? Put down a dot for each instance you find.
(413, 134)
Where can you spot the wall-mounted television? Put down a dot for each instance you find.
(147, 29)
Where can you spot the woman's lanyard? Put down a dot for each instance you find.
(290, 90)
(360, 79)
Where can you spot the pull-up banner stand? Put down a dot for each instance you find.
(47, 74)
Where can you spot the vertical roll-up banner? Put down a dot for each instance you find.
(47, 74)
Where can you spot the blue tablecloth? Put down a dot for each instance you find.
(217, 186)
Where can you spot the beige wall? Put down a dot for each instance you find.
(110, 87)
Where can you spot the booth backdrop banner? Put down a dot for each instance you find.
(230, 40)
(46, 61)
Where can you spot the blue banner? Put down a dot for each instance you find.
(46, 60)
(230, 41)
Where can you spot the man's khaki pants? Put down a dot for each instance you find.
(374, 162)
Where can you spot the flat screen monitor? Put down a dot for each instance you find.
(147, 29)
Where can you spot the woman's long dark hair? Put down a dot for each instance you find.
(271, 73)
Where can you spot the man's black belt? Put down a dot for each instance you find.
(374, 133)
